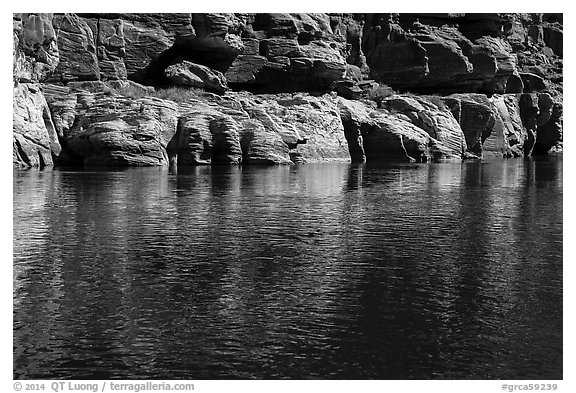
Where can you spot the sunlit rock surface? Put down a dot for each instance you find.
(289, 88)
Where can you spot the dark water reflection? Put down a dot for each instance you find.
(315, 271)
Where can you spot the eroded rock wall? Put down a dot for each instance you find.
(87, 87)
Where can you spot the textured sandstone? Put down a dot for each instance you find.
(476, 118)
(104, 129)
(503, 71)
(35, 52)
(78, 61)
(34, 134)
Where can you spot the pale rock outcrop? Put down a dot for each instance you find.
(218, 130)
(406, 130)
(34, 135)
(496, 143)
(108, 129)
(260, 145)
(310, 126)
(508, 136)
(205, 136)
(392, 138)
(431, 115)
(62, 103)
(244, 128)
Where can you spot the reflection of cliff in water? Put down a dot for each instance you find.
(320, 271)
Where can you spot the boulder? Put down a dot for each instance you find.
(186, 73)
(192, 144)
(205, 136)
(446, 62)
(248, 69)
(438, 121)
(532, 82)
(143, 44)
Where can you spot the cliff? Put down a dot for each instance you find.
(192, 89)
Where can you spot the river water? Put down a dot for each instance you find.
(330, 271)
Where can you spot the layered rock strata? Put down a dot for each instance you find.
(91, 88)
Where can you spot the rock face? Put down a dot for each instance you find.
(475, 115)
(289, 88)
(78, 61)
(287, 52)
(508, 135)
(260, 130)
(35, 53)
(105, 128)
(101, 129)
(405, 129)
(435, 118)
(35, 138)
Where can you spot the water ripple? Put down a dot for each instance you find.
(315, 271)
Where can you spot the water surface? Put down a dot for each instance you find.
(315, 271)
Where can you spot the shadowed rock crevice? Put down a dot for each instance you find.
(205, 52)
